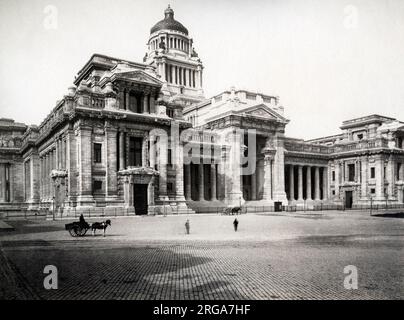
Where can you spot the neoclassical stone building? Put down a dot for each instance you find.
(143, 137)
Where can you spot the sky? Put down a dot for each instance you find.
(328, 61)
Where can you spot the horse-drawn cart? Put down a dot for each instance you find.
(77, 229)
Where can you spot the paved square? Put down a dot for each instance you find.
(291, 256)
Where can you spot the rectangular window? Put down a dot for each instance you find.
(7, 189)
(372, 173)
(97, 186)
(170, 159)
(170, 187)
(170, 112)
(333, 176)
(351, 172)
(372, 191)
(97, 152)
(398, 172)
(135, 151)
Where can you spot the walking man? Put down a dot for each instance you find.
(235, 224)
(187, 226)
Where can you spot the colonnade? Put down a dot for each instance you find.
(301, 186)
(147, 103)
(209, 171)
(53, 158)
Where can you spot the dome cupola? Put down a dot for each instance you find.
(169, 23)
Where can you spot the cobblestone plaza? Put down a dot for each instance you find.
(289, 256)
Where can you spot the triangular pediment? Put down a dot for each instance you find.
(262, 111)
(140, 76)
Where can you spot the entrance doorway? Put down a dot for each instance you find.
(140, 198)
(348, 199)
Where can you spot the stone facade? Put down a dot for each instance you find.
(143, 137)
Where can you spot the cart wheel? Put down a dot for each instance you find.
(81, 231)
(73, 232)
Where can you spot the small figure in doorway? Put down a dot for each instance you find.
(235, 224)
(187, 226)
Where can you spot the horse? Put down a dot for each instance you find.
(100, 226)
(236, 210)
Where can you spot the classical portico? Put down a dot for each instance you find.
(306, 183)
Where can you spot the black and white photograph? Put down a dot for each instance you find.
(207, 152)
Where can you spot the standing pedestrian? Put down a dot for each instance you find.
(235, 224)
(187, 226)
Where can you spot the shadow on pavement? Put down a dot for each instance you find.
(139, 273)
(390, 215)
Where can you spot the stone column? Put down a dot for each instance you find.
(45, 176)
(222, 189)
(291, 183)
(173, 74)
(121, 150)
(337, 179)
(12, 181)
(364, 177)
(152, 104)
(188, 181)
(300, 183)
(71, 165)
(85, 197)
(254, 184)
(199, 77)
(163, 146)
(111, 176)
(57, 154)
(234, 193)
(179, 167)
(267, 192)
(187, 77)
(163, 73)
(48, 178)
(146, 103)
(201, 182)
(2, 182)
(279, 168)
(213, 181)
(150, 192)
(308, 184)
(379, 178)
(127, 102)
(317, 183)
(34, 178)
(64, 153)
(391, 177)
(152, 155)
(325, 183)
(402, 171)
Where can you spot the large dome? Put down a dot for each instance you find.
(169, 23)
